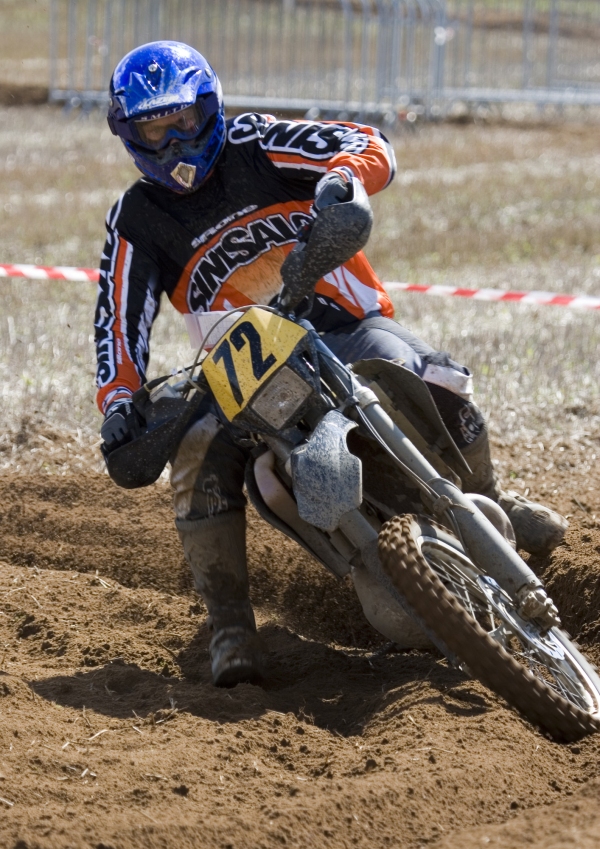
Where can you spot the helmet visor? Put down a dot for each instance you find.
(187, 124)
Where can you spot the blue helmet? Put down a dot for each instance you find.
(166, 105)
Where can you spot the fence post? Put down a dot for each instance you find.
(364, 55)
(348, 48)
(468, 45)
(155, 17)
(71, 33)
(527, 41)
(439, 48)
(107, 40)
(552, 44)
(382, 54)
(396, 53)
(410, 48)
(89, 45)
(53, 47)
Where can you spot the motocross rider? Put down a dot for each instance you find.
(210, 223)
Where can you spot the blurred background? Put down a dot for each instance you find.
(370, 57)
(492, 107)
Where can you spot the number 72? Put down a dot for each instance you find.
(244, 332)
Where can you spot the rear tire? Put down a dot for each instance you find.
(479, 624)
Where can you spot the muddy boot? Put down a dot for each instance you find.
(215, 548)
(538, 529)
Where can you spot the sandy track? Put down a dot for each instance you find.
(111, 734)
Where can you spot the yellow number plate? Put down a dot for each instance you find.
(257, 345)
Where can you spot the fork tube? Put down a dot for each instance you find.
(392, 435)
(485, 545)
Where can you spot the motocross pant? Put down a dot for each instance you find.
(207, 470)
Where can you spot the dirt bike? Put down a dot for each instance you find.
(355, 464)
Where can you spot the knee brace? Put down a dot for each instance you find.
(463, 418)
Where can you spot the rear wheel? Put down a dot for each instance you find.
(541, 674)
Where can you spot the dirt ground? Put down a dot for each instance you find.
(111, 734)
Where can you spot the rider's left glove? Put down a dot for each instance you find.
(121, 424)
(331, 188)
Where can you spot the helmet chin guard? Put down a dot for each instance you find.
(156, 83)
(184, 174)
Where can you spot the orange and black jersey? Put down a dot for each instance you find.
(222, 246)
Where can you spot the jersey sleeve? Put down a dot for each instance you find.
(128, 303)
(307, 150)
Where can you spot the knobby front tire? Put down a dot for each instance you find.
(450, 594)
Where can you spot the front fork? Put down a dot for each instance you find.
(483, 543)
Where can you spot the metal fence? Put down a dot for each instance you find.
(352, 56)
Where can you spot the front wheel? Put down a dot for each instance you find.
(541, 674)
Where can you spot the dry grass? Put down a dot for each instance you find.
(59, 176)
(24, 33)
(480, 206)
(511, 208)
(490, 197)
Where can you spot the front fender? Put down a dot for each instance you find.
(326, 477)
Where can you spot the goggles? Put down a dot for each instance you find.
(156, 131)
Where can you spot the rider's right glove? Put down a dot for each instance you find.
(121, 425)
(332, 188)
(340, 227)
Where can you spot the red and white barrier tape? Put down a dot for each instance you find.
(48, 272)
(549, 299)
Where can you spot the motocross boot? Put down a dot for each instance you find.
(215, 549)
(538, 529)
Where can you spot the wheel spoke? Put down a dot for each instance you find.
(554, 676)
(496, 614)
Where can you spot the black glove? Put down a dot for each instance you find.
(340, 228)
(332, 188)
(122, 424)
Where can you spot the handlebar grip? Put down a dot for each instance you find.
(337, 233)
